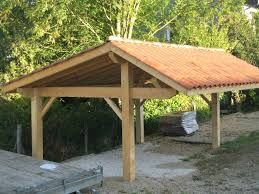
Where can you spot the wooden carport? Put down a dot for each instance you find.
(134, 71)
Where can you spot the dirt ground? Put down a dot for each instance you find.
(234, 171)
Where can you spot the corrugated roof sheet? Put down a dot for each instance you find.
(192, 67)
(189, 68)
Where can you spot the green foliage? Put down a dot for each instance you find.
(36, 33)
(67, 122)
(13, 111)
(241, 142)
(155, 108)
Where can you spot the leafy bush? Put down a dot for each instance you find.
(155, 108)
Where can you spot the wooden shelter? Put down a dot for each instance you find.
(133, 71)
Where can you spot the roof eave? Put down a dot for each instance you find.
(211, 90)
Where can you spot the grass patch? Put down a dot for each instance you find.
(240, 142)
(226, 155)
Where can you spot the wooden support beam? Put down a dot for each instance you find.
(47, 106)
(101, 92)
(153, 81)
(115, 59)
(128, 137)
(36, 126)
(114, 107)
(206, 99)
(139, 121)
(215, 120)
(142, 102)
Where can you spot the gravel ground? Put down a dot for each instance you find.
(163, 165)
(231, 127)
(148, 163)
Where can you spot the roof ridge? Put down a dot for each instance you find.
(120, 39)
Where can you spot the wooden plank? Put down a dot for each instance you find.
(23, 174)
(36, 126)
(101, 92)
(128, 137)
(90, 92)
(61, 66)
(114, 107)
(47, 106)
(215, 120)
(139, 121)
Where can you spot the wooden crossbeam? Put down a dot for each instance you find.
(100, 92)
(114, 107)
(47, 106)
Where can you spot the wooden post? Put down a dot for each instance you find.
(215, 107)
(36, 126)
(139, 121)
(19, 147)
(128, 137)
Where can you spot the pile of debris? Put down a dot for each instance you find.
(179, 123)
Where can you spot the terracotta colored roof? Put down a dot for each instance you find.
(192, 67)
(185, 68)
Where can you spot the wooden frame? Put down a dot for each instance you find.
(114, 107)
(113, 56)
(58, 67)
(47, 106)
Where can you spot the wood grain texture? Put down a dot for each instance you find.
(215, 106)
(36, 126)
(128, 135)
(139, 113)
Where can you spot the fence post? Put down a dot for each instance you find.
(19, 147)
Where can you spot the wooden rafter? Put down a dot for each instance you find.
(66, 64)
(115, 59)
(114, 107)
(148, 69)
